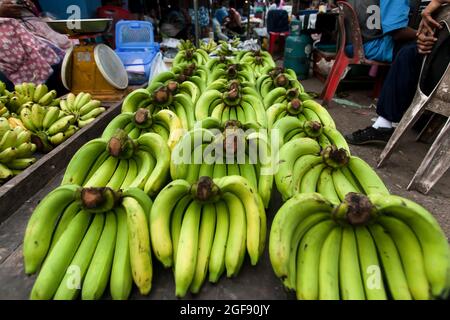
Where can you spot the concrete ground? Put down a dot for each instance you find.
(400, 168)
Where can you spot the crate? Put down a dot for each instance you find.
(136, 48)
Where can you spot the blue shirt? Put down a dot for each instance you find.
(221, 14)
(394, 16)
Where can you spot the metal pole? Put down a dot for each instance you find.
(197, 28)
(248, 19)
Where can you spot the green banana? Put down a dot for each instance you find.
(70, 285)
(42, 223)
(350, 280)
(188, 245)
(205, 242)
(99, 270)
(218, 250)
(56, 264)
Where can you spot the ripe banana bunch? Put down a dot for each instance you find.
(308, 110)
(373, 248)
(291, 128)
(258, 60)
(165, 97)
(85, 239)
(305, 168)
(205, 228)
(164, 123)
(4, 111)
(49, 125)
(16, 150)
(189, 54)
(121, 163)
(209, 47)
(234, 71)
(29, 94)
(82, 107)
(216, 151)
(236, 103)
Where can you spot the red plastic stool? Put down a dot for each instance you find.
(277, 41)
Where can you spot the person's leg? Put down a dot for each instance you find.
(401, 84)
(396, 96)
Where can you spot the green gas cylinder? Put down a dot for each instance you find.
(298, 49)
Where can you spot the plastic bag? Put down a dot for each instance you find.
(158, 66)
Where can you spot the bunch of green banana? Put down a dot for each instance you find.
(228, 49)
(308, 110)
(49, 125)
(234, 71)
(142, 163)
(206, 227)
(281, 95)
(189, 54)
(291, 128)
(258, 60)
(82, 107)
(220, 62)
(16, 150)
(236, 103)
(209, 47)
(273, 80)
(305, 168)
(162, 98)
(165, 123)
(191, 79)
(215, 150)
(224, 85)
(100, 237)
(373, 248)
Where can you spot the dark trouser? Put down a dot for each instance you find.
(401, 83)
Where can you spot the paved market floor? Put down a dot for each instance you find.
(253, 282)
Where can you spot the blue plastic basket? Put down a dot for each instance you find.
(135, 47)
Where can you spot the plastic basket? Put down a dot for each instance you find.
(136, 48)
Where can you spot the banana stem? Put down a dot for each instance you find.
(97, 200)
(232, 97)
(143, 118)
(356, 209)
(161, 95)
(334, 157)
(121, 146)
(205, 190)
(281, 81)
(295, 107)
(172, 86)
(292, 94)
(313, 129)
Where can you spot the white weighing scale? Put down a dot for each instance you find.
(88, 66)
